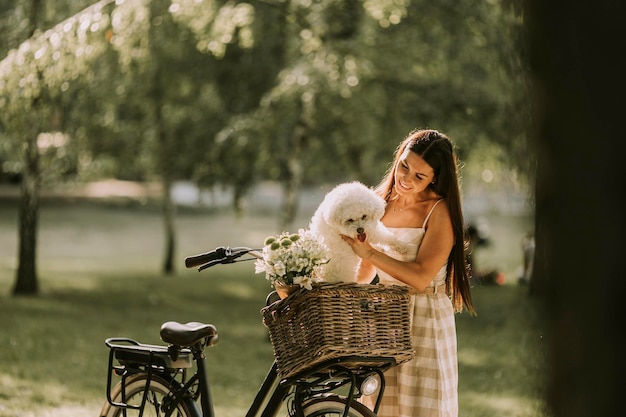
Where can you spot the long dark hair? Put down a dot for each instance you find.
(438, 152)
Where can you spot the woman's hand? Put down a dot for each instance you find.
(363, 249)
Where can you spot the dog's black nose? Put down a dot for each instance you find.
(360, 230)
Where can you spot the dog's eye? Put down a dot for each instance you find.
(350, 221)
(364, 217)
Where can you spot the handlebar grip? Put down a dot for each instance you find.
(203, 258)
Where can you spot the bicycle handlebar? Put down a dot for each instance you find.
(196, 260)
(220, 255)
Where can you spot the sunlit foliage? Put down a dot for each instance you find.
(52, 59)
(240, 80)
(216, 26)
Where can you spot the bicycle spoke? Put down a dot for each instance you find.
(155, 402)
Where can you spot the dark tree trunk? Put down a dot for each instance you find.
(26, 281)
(165, 153)
(170, 230)
(166, 146)
(165, 167)
(576, 62)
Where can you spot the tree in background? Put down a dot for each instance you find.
(32, 75)
(26, 280)
(130, 129)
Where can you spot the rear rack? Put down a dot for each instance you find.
(131, 353)
(134, 357)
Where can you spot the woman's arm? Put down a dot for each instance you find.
(366, 273)
(432, 255)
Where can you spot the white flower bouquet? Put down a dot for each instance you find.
(292, 259)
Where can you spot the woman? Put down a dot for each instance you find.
(423, 210)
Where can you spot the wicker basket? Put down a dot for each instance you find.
(338, 320)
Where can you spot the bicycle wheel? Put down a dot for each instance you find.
(135, 386)
(334, 406)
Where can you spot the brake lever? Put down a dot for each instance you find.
(210, 264)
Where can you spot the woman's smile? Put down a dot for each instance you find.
(403, 185)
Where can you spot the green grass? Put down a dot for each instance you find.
(99, 269)
(501, 362)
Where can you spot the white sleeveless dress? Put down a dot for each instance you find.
(427, 385)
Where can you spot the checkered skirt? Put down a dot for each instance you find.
(426, 386)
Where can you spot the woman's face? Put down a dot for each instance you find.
(412, 174)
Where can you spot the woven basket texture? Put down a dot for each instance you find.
(338, 320)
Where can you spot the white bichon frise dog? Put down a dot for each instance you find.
(354, 210)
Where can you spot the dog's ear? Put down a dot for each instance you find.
(329, 213)
(378, 209)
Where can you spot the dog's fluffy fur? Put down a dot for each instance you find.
(354, 210)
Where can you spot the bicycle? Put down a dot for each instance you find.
(155, 381)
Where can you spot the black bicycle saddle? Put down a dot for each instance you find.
(188, 334)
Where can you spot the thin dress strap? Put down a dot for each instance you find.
(431, 212)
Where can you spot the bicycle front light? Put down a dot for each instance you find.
(370, 385)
